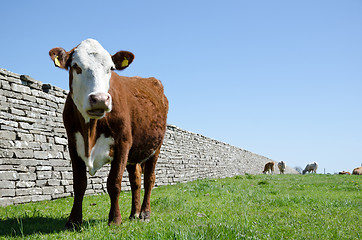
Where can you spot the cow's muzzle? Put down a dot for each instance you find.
(99, 103)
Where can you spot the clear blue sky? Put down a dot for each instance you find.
(279, 78)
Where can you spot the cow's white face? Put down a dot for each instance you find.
(91, 67)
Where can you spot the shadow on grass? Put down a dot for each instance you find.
(24, 226)
(15, 227)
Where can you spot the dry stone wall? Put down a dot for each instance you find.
(34, 159)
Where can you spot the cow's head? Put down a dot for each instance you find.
(90, 67)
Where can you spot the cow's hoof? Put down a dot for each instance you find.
(115, 222)
(134, 216)
(145, 216)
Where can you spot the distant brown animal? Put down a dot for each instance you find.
(357, 171)
(269, 167)
(344, 173)
(281, 166)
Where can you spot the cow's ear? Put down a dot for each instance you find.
(122, 59)
(60, 57)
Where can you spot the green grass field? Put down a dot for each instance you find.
(242, 207)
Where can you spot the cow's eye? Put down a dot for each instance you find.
(113, 68)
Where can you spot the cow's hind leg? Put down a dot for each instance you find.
(135, 172)
(149, 181)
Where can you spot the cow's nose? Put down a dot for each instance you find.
(100, 100)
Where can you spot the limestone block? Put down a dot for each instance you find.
(5, 85)
(55, 154)
(61, 195)
(25, 125)
(44, 168)
(22, 199)
(59, 163)
(16, 111)
(64, 183)
(37, 198)
(25, 137)
(40, 138)
(41, 175)
(7, 193)
(9, 175)
(29, 98)
(6, 201)
(27, 176)
(21, 144)
(53, 182)
(69, 188)
(24, 184)
(7, 135)
(62, 141)
(20, 88)
(51, 190)
(7, 184)
(89, 192)
(67, 175)
(24, 153)
(40, 183)
(5, 144)
(40, 155)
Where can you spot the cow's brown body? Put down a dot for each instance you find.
(269, 167)
(134, 125)
(357, 171)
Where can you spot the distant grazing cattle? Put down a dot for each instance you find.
(344, 173)
(111, 119)
(357, 171)
(311, 167)
(269, 167)
(281, 166)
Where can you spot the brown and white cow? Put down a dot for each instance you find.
(281, 166)
(344, 173)
(111, 119)
(357, 171)
(269, 167)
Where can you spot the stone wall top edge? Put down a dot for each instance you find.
(26, 80)
(5, 72)
(176, 128)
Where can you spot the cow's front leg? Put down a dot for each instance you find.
(149, 181)
(79, 187)
(114, 182)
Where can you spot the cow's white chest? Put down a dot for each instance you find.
(99, 154)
